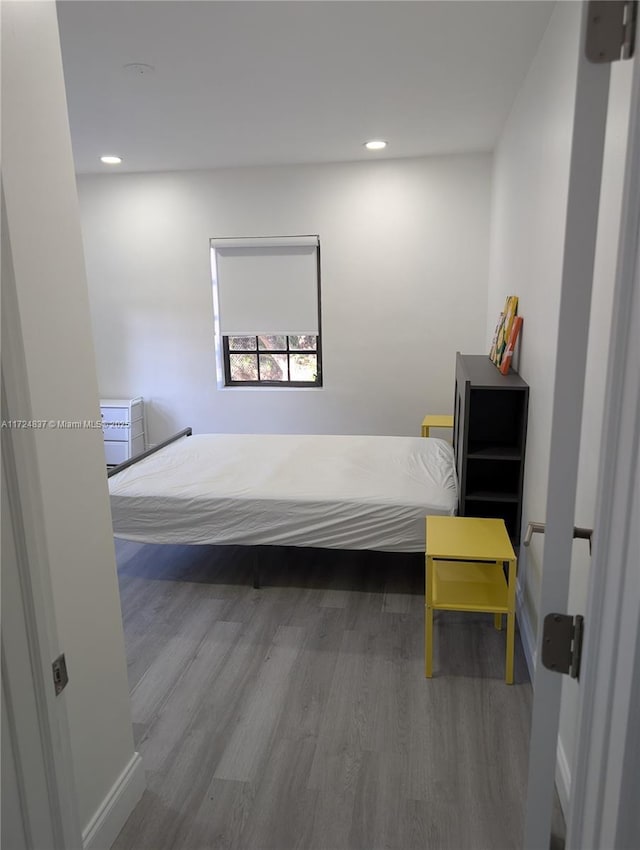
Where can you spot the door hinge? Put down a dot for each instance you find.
(60, 675)
(562, 643)
(611, 30)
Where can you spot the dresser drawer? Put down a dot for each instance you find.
(115, 452)
(115, 414)
(116, 434)
(116, 425)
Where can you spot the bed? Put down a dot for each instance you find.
(327, 491)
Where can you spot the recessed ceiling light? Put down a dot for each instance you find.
(375, 145)
(111, 160)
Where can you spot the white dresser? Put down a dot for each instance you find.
(123, 428)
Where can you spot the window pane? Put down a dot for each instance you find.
(242, 343)
(303, 342)
(273, 367)
(304, 367)
(244, 367)
(269, 343)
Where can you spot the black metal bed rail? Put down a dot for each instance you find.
(186, 432)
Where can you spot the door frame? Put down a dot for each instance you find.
(602, 808)
(589, 122)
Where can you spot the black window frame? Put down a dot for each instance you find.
(318, 383)
(288, 351)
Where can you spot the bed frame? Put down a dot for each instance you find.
(114, 470)
(186, 432)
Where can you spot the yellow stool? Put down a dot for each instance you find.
(435, 421)
(464, 572)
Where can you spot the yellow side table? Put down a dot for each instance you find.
(464, 572)
(435, 421)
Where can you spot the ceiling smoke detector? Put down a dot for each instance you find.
(138, 69)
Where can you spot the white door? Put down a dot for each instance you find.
(27, 816)
(38, 794)
(581, 226)
(38, 802)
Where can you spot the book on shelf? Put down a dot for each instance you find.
(507, 357)
(494, 342)
(510, 311)
(503, 330)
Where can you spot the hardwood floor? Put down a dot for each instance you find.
(298, 715)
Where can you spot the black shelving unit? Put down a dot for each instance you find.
(489, 438)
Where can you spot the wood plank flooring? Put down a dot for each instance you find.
(298, 715)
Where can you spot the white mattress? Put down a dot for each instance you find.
(340, 492)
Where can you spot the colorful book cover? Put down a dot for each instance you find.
(494, 342)
(501, 341)
(510, 311)
(495, 351)
(511, 344)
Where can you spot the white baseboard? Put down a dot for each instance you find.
(527, 635)
(103, 829)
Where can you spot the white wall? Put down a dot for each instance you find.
(404, 251)
(44, 233)
(531, 173)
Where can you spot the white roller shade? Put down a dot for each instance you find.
(267, 285)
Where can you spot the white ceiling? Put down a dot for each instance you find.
(254, 83)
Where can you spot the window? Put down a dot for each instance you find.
(290, 359)
(267, 310)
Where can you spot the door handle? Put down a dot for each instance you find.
(539, 528)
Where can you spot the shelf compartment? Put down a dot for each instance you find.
(469, 586)
(491, 496)
(496, 417)
(500, 479)
(490, 450)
